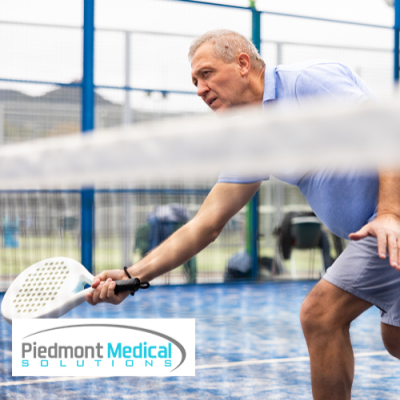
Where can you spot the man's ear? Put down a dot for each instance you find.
(244, 63)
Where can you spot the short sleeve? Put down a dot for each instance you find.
(226, 177)
(331, 81)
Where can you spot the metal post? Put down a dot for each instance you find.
(279, 53)
(279, 202)
(88, 95)
(127, 231)
(127, 106)
(2, 123)
(278, 195)
(252, 219)
(396, 29)
(252, 234)
(256, 28)
(127, 217)
(88, 67)
(87, 227)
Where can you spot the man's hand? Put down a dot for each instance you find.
(104, 288)
(386, 228)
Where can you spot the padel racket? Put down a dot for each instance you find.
(52, 287)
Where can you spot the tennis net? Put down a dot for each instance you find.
(168, 168)
(201, 147)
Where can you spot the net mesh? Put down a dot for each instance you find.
(40, 224)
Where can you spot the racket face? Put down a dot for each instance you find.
(43, 289)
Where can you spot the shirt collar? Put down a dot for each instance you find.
(269, 84)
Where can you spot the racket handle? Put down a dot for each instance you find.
(129, 285)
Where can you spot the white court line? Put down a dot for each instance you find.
(279, 360)
(207, 366)
(60, 379)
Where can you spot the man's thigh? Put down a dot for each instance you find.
(360, 272)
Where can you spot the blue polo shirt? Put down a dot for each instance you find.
(344, 202)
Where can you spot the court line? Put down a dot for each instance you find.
(199, 367)
(279, 360)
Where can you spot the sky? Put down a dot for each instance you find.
(160, 61)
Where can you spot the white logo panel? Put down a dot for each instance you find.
(103, 347)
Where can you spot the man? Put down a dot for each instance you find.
(228, 72)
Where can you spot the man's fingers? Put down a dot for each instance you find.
(104, 289)
(382, 243)
(393, 251)
(398, 253)
(89, 299)
(107, 292)
(361, 234)
(96, 293)
(104, 285)
(112, 297)
(96, 282)
(100, 278)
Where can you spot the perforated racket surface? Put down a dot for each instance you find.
(49, 289)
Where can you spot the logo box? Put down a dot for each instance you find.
(103, 347)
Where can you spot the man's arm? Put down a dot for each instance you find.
(223, 202)
(386, 226)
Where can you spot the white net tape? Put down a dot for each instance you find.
(246, 142)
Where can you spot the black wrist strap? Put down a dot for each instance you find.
(138, 284)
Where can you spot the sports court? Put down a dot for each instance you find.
(106, 150)
(249, 344)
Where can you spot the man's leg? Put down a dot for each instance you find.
(325, 317)
(391, 339)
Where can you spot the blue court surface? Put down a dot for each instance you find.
(249, 345)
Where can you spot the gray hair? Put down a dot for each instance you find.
(227, 45)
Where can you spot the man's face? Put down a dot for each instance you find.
(220, 85)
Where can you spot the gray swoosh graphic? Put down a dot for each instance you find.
(135, 328)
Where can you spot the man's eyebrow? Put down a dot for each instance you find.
(198, 72)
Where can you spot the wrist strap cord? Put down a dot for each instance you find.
(136, 282)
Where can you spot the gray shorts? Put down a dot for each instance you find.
(359, 271)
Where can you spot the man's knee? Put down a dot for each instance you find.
(328, 309)
(308, 320)
(391, 339)
(317, 316)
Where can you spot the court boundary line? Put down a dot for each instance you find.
(199, 367)
(280, 360)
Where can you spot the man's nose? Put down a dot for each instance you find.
(202, 88)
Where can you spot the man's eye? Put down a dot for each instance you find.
(205, 73)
